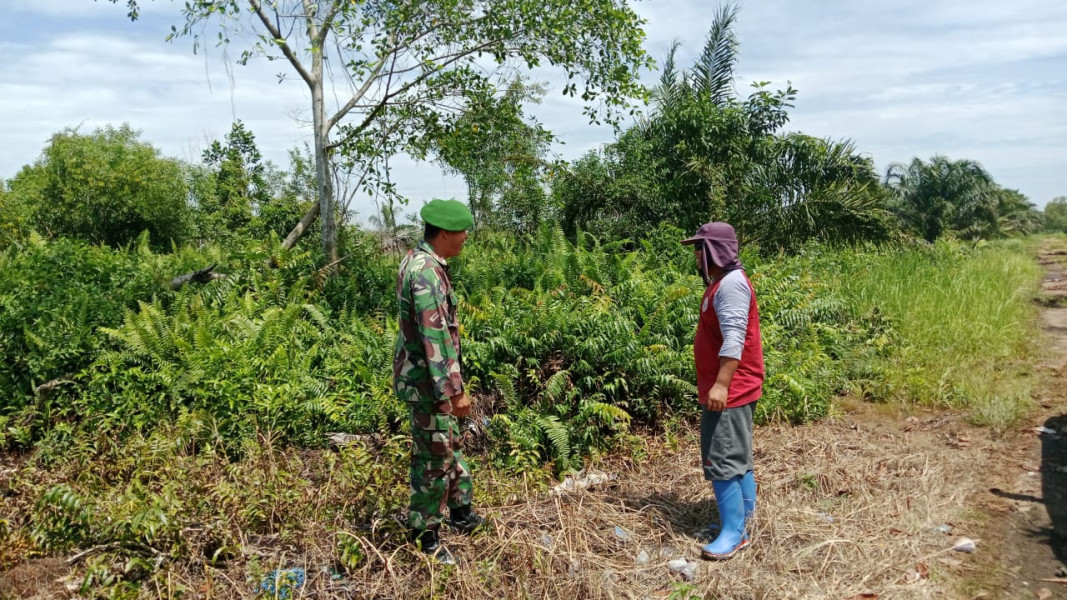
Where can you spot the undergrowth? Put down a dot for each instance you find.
(187, 423)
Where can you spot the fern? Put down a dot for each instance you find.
(507, 391)
(556, 387)
(558, 436)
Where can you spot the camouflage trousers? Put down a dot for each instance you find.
(439, 474)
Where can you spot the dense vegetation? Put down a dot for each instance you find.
(578, 308)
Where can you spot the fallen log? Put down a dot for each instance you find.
(201, 276)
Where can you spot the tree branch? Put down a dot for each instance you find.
(355, 97)
(452, 58)
(302, 227)
(282, 42)
(327, 23)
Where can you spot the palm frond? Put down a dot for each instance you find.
(713, 75)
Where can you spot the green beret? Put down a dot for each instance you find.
(450, 215)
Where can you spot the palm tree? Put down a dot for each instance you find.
(816, 189)
(942, 196)
(1016, 215)
(704, 154)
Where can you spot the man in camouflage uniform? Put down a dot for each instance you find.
(428, 376)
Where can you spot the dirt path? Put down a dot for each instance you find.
(1027, 505)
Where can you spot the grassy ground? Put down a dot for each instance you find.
(851, 505)
(964, 327)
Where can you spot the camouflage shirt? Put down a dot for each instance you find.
(426, 364)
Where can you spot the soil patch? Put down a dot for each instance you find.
(35, 579)
(1027, 505)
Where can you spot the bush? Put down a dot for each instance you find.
(105, 188)
(53, 297)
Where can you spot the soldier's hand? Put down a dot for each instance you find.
(461, 405)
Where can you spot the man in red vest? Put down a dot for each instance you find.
(729, 364)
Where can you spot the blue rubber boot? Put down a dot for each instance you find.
(748, 494)
(732, 516)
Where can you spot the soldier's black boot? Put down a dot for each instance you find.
(465, 519)
(429, 542)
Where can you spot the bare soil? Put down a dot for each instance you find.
(1026, 508)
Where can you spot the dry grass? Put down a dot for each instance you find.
(846, 507)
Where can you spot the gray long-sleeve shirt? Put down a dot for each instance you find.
(732, 301)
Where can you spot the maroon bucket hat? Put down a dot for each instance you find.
(718, 240)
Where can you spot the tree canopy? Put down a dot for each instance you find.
(105, 187)
(705, 154)
(402, 72)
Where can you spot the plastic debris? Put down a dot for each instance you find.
(642, 558)
(341, 440)
(689, 573)
(688, 570)
(1045, 430)
(582, 480)
(546, 541)
(825, 517)
(621, 533)
(476, 425)
(964, 545)
(334, 573)
(281, 583)
(945, 529)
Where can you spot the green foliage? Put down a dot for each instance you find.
(15, 217)
(251, 356)
(53, 298)
(414, 68)
(1055, 215)
(704, 154)
(105, 187)
(500, 156)
(238, 196)
(598, 338)
(237, 184)
(575, 341)
(960, 198)
(959, 316)
(62, 519)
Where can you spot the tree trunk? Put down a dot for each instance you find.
(323, 177)
(302, 227)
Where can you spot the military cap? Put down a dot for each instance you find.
(450, 215)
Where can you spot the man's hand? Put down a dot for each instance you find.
(461, 405)
(715, 400)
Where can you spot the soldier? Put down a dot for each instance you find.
(428, 376)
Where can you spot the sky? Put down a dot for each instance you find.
(984, 80)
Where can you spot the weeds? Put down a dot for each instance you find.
(192, 427)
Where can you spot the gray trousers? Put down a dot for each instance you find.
(726, 442)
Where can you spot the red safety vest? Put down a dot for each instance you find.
(747, 384)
